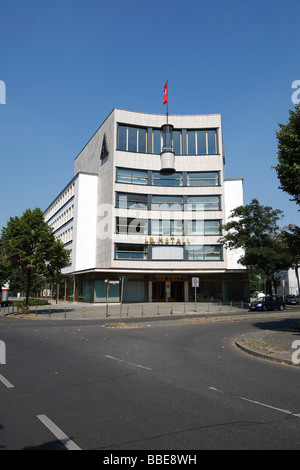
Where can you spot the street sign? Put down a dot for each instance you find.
(195, 283)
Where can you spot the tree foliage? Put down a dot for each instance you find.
(288, 168)
(254, 229)
(30, 253)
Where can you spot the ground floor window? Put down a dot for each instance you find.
(135, 291)
(103, 290)
(208, 291)
(93, 287)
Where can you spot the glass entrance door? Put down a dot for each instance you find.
(158, 291)
(177, 292)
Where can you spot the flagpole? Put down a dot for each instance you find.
(167, 102)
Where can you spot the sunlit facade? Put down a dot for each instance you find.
(148, 201)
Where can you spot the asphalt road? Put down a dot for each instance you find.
(79, 385)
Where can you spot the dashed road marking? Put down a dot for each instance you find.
(6, 382)
(255, 402)
(58, 433)
(125, 362)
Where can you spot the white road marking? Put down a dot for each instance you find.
(272, 407)
(125, 362)
(215, 389)
(297, 415)
(58, 433)
(6, 382)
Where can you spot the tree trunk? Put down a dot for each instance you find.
(28, 287)
(297, 277)
(268, 286)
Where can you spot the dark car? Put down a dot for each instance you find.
(291, 299)
(270, 302)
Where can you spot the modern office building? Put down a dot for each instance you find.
(288, 282)
(147, 204)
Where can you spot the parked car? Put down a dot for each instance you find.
(270, 302)
(291, 299)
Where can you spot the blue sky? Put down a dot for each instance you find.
(66, 64)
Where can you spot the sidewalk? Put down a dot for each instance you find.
(279, 341)
(91, 311)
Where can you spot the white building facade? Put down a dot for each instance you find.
(148, 201)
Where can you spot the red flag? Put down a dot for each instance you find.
(165, 93)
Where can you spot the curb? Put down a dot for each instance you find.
(272, 355)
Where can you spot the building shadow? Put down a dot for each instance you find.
(287, 324)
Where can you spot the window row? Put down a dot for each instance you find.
(168, 252)
(175, 203)
(154, 178)
(61, 201)
(63, 218)
(130, 226)
(184, 141)
(66, 236)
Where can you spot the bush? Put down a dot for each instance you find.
(31, 303)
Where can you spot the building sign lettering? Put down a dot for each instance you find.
(165, 277)
(167, 240)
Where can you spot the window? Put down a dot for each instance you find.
(156, 141)
(211, 142)
(174, 203)
(131, 226)
(185, 141)
(122, 137)
(203, 203)
(203, 179)
(167, 227)
(126, 175)
(125, 251)
(191, 135)
(202, 142)
(202, 227)
(177, 142)
(166, 180)
(142, 140)
(204, 252)
(131, 201)
(131, 138)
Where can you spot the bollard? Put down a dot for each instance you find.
(142, 310)
(65, 312)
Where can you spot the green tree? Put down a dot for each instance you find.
(254, 229)
(288, 168)
(30, 252)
